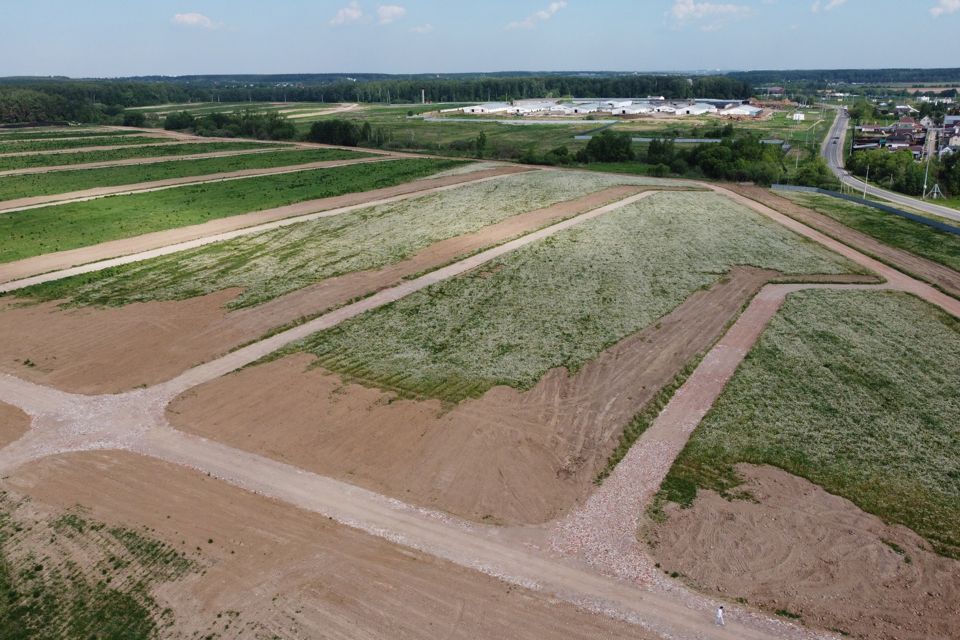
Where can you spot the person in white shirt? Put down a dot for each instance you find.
(720, 616)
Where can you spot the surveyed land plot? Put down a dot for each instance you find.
(157, 151)
(79, 132)
(69, 226)
(54, 182)
(21, 146)
(854, 391)
(561, 301)
(902, 233)
(269, 264)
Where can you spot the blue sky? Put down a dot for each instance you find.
(128, 37)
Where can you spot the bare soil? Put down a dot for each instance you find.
(107, 350)
(507, 457)
(797, 548)
(274, 571)
(937, 274)
(13, 424)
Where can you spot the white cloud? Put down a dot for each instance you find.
(827, 5)
(944, 7)
(195, 20)
(540, 16)
(423, 28)
(688, 9)
(390, 12)
(350, 13)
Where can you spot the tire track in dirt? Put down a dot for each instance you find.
(54, 266)
(94, 350)
(35, 202)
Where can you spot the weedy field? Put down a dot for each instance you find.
(855, 391)
(40, 184)
(902, 233)
(66, 576)
(269, 264)
(68, 226)
(560, 301)
(23, 146)
(74, 132)
(84, 157)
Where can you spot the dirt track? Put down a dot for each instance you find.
(933, 272)
(53, 266)
(22, 204)
(93, 350)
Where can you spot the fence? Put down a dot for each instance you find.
(941, 226)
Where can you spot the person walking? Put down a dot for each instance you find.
(720, 616)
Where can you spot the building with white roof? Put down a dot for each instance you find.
(742, 111)
(489, 107)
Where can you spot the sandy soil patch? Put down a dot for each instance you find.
(800, 549)
(13, 424)
(937, 274)
(105, 350)
(272, 569)
(532, 455)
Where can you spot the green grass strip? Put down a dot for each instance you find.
(67, 133)
(22, 146)
(84, 157)
(855, 391)
(42, 184)
(69, 226)
(895, 231)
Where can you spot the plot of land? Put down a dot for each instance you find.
(273, 263)
(86, 157)
(78, 132)
(562, 301)
(854, 391)
(62, 227)
(895, 231)
(40, 184)
(20, 146)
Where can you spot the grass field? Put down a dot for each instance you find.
(68, 226)
(41, 184)
(902, 233)
(84, 157)
(45, 595)
(267, 265)
(77, 132)
(855, 391)
(561, 301)
(23, 146)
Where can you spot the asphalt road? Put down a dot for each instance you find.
(834, 156)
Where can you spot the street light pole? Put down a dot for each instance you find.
(866, 182)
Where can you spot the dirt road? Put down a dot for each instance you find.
(53, 266)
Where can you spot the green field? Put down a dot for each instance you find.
(855, 391)
(269, 264)
(902, 233)
(46, 595)
(561, 301)
(77, 132)
(68, 226)
(84, 157)
(24, 146)
(41, 184)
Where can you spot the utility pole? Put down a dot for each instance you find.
(866, 183)
(926, 174)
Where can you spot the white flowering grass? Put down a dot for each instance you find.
(561, 301)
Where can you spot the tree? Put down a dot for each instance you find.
(610, 147)
(481, 144)
(134, 119)
(179, 121)
(339, 132)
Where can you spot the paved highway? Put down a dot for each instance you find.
(832, 150)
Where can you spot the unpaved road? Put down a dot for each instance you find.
(23, 204)
(53, 266)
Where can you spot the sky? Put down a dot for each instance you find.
(111, 38)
